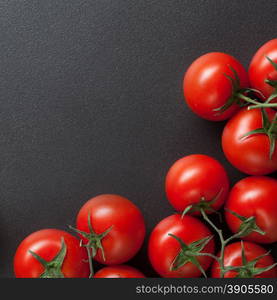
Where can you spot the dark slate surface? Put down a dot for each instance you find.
(91, 102)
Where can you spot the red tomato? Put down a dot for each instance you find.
(47, 243)
(251, 154)
(163, 248)
(120, 271)
(126, 224)
(261, 69)
(233, 257)
(254, 196)
(195, 177)
(206, 88)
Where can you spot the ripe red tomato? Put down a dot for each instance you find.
(254, 196)
(120, 271)
(251, 154)
(195, 177)
(261, 69)
(206, 88)
(47, 243)
(233, 258)
(163, 249)
(126, 224)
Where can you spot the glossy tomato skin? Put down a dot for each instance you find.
(162, 248)
(251, 154)
(195, 176)
(232, 257)
(206, 87)
(128, 227)
(261, 69)
(254, 196)
(119, 271)
(47, 244)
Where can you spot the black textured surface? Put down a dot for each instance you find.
(91, 102)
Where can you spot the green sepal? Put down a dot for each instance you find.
(94, 242)
(248, 269)
(272, 83)
(248, 225)
(274, 64)
(94, 239)
(251, 90)
(233, 99)
(52, 269)
(203, 204)
(272, 96)
(188, 253)
(269, 128)
(253, 132)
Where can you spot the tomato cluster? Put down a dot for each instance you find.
(111, 229)
(217, 87)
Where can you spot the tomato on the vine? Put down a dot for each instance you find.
(248, 260)
(254, 198)
(211, 84)
(50, 253)
(263, 69)
(248, 141)
(174, 244)
(112, 227)
(119, 271)
(196, 181)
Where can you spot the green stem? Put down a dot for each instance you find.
(247, 99)
(223, 242)
(208, 254)
(268, 105)
(255, 103)
(248, 269)
(89, 250)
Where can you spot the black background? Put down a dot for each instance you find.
(91, 102)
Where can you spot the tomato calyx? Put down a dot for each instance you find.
(94, 242)
(203, 204)
(248, 225)
(240, 96)
(189, 252)
(268, 128)
(248, 269)
(272, 82)
(52, 269)
(236, 90)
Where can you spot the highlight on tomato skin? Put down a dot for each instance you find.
(199, 181)
(207, 87)
(251, 153)
(254, 196)
(252, 251)
(47, 244)
(260, 69)
(165, 251)
(119, 271)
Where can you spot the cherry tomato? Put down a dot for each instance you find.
(165, 251)
(194, 178)
(254, 196)
(233, 258)
(250, 154)
(47, 244)
(261, 69)
(120, 220)
(119, 271)
(207, 88)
